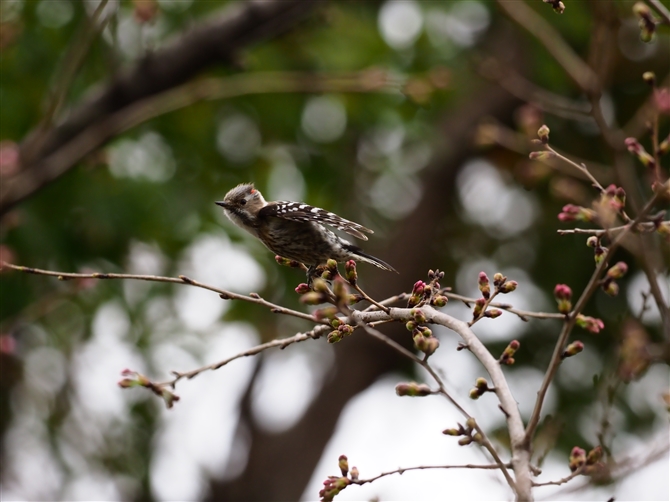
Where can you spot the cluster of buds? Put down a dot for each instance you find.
(642, 155)
(330, 272)
(614, 197)
(335, 484)
(466, 432)
(502, 286)
(599, 251)
(423, 293)
(350, 273)
(571, 212)
(422, 335)
(590, 324)
(342, 330)
(134, 379)
(558, 7)
(481, 387)
(507, 357)
(572, 350)
(609, 284)
(563, 295)
(646, 21)
(579, 459)
(413, 389)
(320, 293)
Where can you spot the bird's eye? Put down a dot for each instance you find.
(243, 202)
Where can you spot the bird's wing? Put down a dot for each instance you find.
(297, 211)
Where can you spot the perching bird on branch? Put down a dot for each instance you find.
(296, 230)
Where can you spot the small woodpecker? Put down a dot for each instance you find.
(295, 230)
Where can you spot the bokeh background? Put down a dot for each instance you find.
(412, 118)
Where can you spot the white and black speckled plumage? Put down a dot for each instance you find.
(296, 230)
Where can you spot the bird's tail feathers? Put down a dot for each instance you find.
(371, 259)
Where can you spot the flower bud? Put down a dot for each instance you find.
(618, 270)
(302, 288)
(481, 383)
(354, 473)
(411, 325)
(599, 254)
(573, 349)
(439, 301)
(508, 287)
(418, 316)
(336, 323)
(313, 298)
(320, 285)
(334, 337)
(452, 432)
(611, 288)
(475, 394)
(592, 241)
(325, 313)
(484, 286)
(478, 308)
(543, 134)
(498, 279)
(350, 272)
(354, 299)
(510, 350)
(563, 294)
(343, 463)
(340, 290)
(169, 398)
(649, 77)
(465, 440)
(577, 458)
(413, 389)
(493, 313)
(571, 212)
(287, 263)
(634, 147)
(590, 324)
(426, 331)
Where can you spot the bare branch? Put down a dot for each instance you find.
(579, 306)
(554, 43)
(182, 279)
(564, 480)
(522, 314)
(422, 467)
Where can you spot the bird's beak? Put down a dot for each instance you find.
(222, 204)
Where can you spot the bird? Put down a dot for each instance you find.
(296, 230)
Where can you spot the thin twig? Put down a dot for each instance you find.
(553, 42)
(642, 227)
(422, 467)
(564, 480)
(371, 300)
(522, 314)
(579, 306)
(424, 364)
(282, 343)
(182, 279)
(661, 10)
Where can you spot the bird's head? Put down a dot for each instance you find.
(242, 203)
